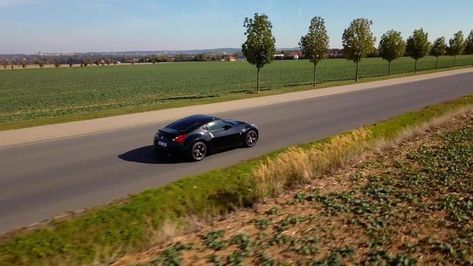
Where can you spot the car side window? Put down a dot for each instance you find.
(215, 125)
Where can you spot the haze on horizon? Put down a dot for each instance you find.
(31, 26)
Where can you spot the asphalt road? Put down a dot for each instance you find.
(42, 180)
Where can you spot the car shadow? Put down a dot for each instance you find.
(146, 154)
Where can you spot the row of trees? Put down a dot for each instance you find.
(99, 59)
(58, 60)
(358, 42)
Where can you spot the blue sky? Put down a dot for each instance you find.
(30, 26)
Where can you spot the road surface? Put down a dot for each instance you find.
(42, 180)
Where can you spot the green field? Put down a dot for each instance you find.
(54, 94)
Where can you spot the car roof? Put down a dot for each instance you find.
(192, 121)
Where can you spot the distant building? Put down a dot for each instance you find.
(231, 58)
(279, 56)
(295, 55)
(335, 53)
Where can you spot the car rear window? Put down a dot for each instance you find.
(186, 123)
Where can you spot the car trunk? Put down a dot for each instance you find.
(169, 133)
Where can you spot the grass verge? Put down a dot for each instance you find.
(16, 124)
(126, 226)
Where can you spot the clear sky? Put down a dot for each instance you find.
(30, 26)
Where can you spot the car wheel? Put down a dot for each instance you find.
(198, 151)
(251, 137)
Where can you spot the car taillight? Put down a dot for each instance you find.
(180, 138)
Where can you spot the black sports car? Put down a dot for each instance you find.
(198, 135)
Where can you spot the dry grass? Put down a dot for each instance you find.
(299, 166)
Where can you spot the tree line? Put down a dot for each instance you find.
(85, 60)
(358, 42)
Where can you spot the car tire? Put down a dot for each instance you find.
(251, 137)
(198, 151)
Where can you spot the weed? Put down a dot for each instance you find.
(214, 240)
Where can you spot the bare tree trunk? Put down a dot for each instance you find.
(357, 75)
(257, 80)
(389, 69)
(314, 80)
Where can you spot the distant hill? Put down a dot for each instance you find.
(174, 52)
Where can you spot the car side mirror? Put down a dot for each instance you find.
(227, 126)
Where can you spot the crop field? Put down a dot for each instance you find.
(31, 94)
(410, 204)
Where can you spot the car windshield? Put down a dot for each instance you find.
(229, 121)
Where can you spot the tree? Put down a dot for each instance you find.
(200, 57)
(315, 44)
(70, 61)
(259, 47)
(457, 44)
(469, 44)
(439, 48)
(418, 45)
(391, 47)
(86, 61)
(358, 41)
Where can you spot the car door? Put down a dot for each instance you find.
(233, 132)
(220, 135)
